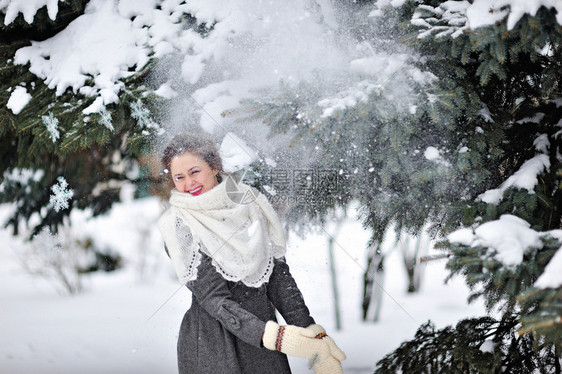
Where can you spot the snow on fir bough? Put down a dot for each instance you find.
(452, 18)
(28, 8)
(109, 42)
(507, 240)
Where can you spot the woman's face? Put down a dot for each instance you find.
(192, 175)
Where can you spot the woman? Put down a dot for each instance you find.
(231, 256)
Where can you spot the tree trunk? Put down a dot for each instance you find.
(373, 284)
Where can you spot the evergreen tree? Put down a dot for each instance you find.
(54, 135)
(467, 131)
(506, 87)
(439, 130)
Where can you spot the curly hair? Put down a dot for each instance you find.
(199, 144)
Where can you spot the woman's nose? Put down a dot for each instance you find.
(189, 184)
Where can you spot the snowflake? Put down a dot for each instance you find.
(52, 123)
(106, 119)
(140, 113)
(60, 195)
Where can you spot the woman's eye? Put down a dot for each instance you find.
(178, 178)
(194, 172)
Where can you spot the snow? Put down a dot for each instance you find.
(507, 238)
(235, 154)
(464, 236)
(52, 123)
(542, 144)
(21, 176)
(452, 18)
(348, 99)
(432, 153)
(386, 72)
(518, 8)
(479, 13)
(166, 91)
(552, 275)
(123, 322)
(485, 12)
(106, 119)
(524, 178)
(61, 194)
(486, 114)
(101, 45)
(537, 118)
(488, 346)
(113, 40)
(18, 99)
(12, 8)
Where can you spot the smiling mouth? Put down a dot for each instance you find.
(196, 191)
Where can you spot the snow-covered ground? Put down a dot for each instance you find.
(123, 324)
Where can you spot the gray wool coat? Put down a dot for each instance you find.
(221, 332)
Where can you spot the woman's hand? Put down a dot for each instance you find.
(331, 364)
(320, 333)
(328, 365)
(295, 341)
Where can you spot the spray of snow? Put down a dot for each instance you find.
(349, 98)
(268, 46)
(235, 153)
(433, 154)
(166, 91)
(250, 47)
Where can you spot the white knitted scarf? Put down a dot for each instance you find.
(241, 238)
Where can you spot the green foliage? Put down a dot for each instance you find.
(544, 316)
(95, 152)
(42, 26)
(512, 78)
(499, 285)
(478, 345)
(496, 103)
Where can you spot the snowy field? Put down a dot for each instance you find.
(122, 323)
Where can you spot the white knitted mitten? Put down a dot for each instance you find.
(328, 365)
(294, 341)
(320, 333)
